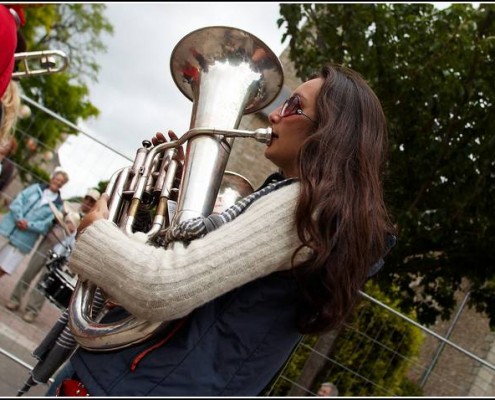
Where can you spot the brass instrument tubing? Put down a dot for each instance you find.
(261, 134)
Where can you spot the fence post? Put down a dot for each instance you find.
(441, 346)
(314, 364)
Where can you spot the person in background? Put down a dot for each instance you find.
(88, 202)
(36, 298)
(11, 40)
(30, 216)
(39, 259)
(9, 25)
(9, 109)
(7, 166)
(238, 290)
(11, 19)
(328, 389)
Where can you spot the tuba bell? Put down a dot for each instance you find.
(226, 72)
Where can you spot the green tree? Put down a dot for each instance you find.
(433, 71)
(77, 30)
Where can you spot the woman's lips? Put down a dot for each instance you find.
(274, 136)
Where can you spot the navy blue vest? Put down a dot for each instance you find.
(231, 346)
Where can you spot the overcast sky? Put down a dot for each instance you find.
(135, 92)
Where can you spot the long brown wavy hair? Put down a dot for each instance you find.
(341, 213)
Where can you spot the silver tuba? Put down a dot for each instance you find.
(226, 72)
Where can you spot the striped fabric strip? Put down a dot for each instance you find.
(195, 228)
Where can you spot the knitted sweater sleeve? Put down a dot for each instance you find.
(160, 284)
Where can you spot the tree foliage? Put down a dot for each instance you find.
(433, 71)
(75, 29)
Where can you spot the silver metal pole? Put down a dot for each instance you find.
(442, 345)
(73, 126)
(19, 361)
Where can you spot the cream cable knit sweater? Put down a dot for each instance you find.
(161, 285)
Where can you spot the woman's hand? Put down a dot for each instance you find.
(99, 211)
(160, 138)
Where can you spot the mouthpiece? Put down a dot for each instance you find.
(263, 135)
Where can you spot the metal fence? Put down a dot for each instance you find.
(379, 352)
(371, 356)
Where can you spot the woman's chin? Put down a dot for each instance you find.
(268, 151)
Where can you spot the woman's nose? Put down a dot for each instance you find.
(274, 116)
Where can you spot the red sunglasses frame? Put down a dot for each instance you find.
(292, 106)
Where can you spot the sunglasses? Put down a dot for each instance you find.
(292, 106)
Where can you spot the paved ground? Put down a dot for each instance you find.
(18, 339)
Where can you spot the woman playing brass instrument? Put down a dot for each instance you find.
(291, 262)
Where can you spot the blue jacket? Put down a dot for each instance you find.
(26, 206)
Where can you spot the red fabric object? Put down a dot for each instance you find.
(71, 388)
(20, 12)
(8, 43)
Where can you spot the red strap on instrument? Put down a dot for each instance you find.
(71, 388)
